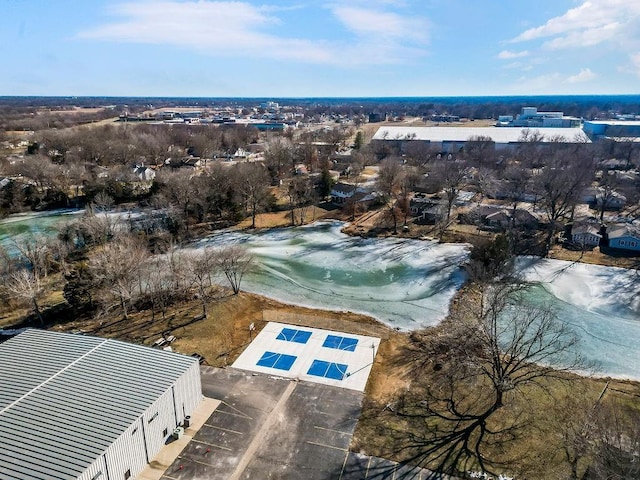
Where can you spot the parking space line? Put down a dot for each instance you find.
(344, 464)
(234, 414)
(328, 446)
(223, 429)
(211, 445)
(239, 414)
(331, 430)
(201, 463)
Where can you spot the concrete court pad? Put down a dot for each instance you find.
(356, 352)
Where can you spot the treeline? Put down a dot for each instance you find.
(586, 106)
(104, 262)
(477, 108)
(42, 119)
(162, 166)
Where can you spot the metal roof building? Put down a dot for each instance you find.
(500, 135)
(78, 407)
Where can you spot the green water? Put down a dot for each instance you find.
(16, 228)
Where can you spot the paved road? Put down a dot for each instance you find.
(272, 428)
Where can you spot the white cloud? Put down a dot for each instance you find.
(635, 63)
(538, 84)
(591, 23)
(219, 28)
(367, 22)
(237, 28)
(508, 54)
(584, 76)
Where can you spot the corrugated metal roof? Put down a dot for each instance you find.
(65, 398)
(462, 134)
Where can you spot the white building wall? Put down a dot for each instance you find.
(142, 440)
(188, 392)
(160, 416)
(127, 454)
(97, 471)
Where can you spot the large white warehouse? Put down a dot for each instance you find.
(78, 407)
(452, 139)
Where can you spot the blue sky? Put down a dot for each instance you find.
(298, 48)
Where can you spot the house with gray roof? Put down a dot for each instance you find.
(624, 237)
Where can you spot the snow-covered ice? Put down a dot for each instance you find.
(404, 283)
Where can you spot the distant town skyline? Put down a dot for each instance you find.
(319, 48)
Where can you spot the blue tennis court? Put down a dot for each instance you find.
(341, 343)
(276, 360)
(293, 335)
(335, 371)
(339, 359)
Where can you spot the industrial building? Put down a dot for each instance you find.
(612, 129)
(80, 407)
(530, 117)
(453, 139)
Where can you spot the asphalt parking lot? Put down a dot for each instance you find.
(273, 428)
(269, 428)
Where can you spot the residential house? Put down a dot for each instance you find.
(145, 174)
(496, 217)
(614, 201)
(586, 234)
(240, 154)
(192, 162)
(427, 210)
(624, 237)
(301, 169)
(615, 164)
(589, 195)
(341, 193)
(186, 162)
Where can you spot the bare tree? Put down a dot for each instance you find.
(608, 191)
(25, 285)
(159, 284)
(99, 224)
(35, 253)
(490, 351)
(279, 156)
(116, 267)
(301, 195)
(180, 189)
(201, 265)
(234, 262)
(559, 185)
(450, 175)
(616, 447)
(480, 150)
(252, 182)
(517, 183)
(390, 178)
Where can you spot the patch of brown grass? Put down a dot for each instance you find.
(282, 218)
(594, 257)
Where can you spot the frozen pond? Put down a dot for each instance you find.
(22, 225)
(409, 284)
(601, 303)
(403, 283)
